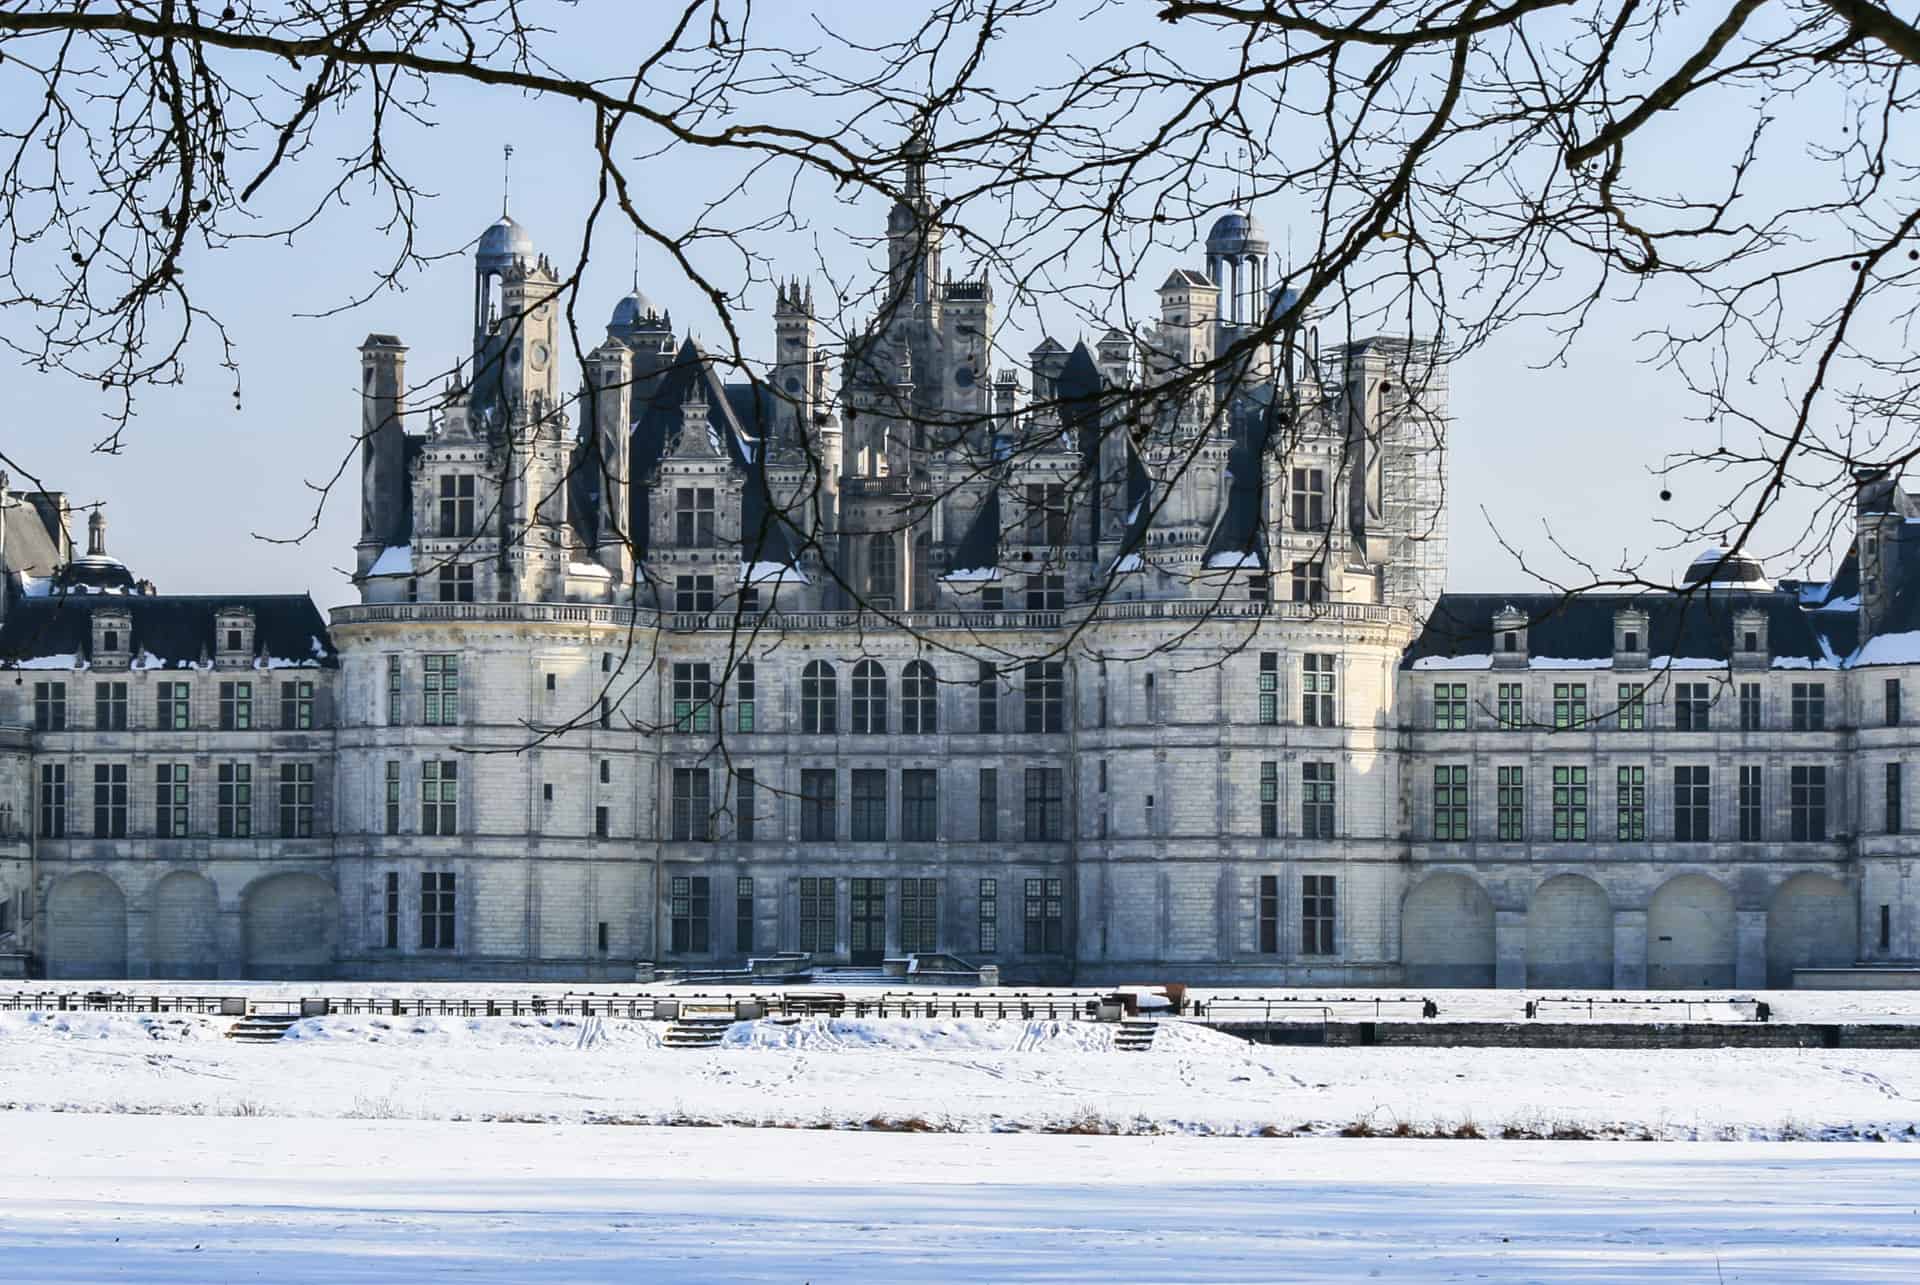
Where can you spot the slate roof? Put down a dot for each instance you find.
(179, 629)
(979, 548)
(29, 523)
(1240, 530)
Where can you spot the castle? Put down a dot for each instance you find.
(1135, 664)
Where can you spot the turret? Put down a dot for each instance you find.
(383, 482)
(610, 383)
(797, 371)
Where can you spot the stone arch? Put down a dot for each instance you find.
(1690, 934)
(1570, 934)
(86, 927)
(183, 927)
(1814, 922)
(291, 923)
(1446, 933)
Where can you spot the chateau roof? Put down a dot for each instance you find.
(173, 631)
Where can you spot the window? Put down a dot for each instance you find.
(1630, 804)
(233, 785)
(692, 696)
(1751, 830)
(175, 707)
(53, 800)
(987, 697)
(110, 707)
(743, 915)
(110, 640)
(1270, 800)
(746, 804)
(744, 691)
(602, 821)
(919, 915)
(296, 800)
(816, 915)
(1886, 926)
(919, 709)
(1630, 640)
(1807, 804)
(1259, 589)
(819, 698)
(1316, 914)
(1152, 699)
(883, 572)
(1690, 703)
(1449, 707)
(1149, 827)
(1510, 710)
(296, 705)
(1895, 808)
(989, 824)
(919, 805)
(1045, 916)
(1269, 914)
(606, 713)
(1046, 593)
(1309, 499)
(816, 805)
(1692, 806)
(395, 709)
(1891, 705)
(1045, 693)
(693, 517)
(869, 699)
(692, 819)
(1316, 800)
(456, 504)
(993, 598)
(50, 706)
(1510, 804)
(390, 910)
(1569, 705)
(692, 914)
(1749, 707)
(1633, 707)
(989, 919)
(869, 800)
(1046, 516)
(693, 594)
(1450, 803)
(1316, 691)
(170, 800)
(393, 796)
(454, 582)
(436, 911)
(1269, 688)
(1046, 805)
(439, 796)
(1101, 713)
(110, 800)
(1569, 804)
(442, 690)
(1809, 707)
(1310, 581)
(236, 706)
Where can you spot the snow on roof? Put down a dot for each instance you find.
(394, 560)
(1229, 560)
(1888, 649)
(966, 574)
(588, 571)
(1122, 566)
(770, 573)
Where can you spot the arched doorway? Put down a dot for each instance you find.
(1690, 934)
(183, 927)
(86, 928)
(1812, 923)
(292, 926)
(1570, 934)
(1446, 933)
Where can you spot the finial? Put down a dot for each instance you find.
(636, 260)
(506, 177)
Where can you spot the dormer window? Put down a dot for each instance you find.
(110, 640)
(1630, 641)
(1509, 641)
(1750, 641)
(233, 640)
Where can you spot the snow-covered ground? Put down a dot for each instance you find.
(966, 1075)
(172, 1201)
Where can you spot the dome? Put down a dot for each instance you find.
(503, 244)
(1712, 567)
(97, 570)
(632, 311)
(1236, 233)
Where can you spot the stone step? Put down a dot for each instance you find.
(696, 1032)
(1135, 1035)
(260, 1030)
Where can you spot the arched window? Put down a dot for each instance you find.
(919, 708)
(819, 698)
(869, 699)
(883, 572)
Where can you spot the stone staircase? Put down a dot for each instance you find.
(258, 1028)
(697, 1031)
(1135, 1035)
(853, 977)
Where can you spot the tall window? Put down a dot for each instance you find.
(395, 692)
(919, 699)
(1046, 593)
(817, 916)
(1510, 804)
(1510, 710)
(1450, 803)
(989, 824)
(1046, 515)
(1270, 800)
(436, 911)
(692, 696)
(236, 706)
(1633, 707)
(693, 517)
(454, 582)
(170, 800)
(1269, 687)
(987, 697)
(53, 800)
(1749, 707)
(392, 796)
(1690, 704)
(816, 805)
(1751, 825)
(919, 805)
(744, 692)
(110, 707)
(1692, 807)
(1310, 581)
(1045, 916)
(174, 707)
(296, 800)
(692, 820)
(456, 504)
(1046, 805)
(110, 800)
(1316, 800)
(1894, 798)
(1316, 914)
(1309, 496)
(1807, 804)
(883, 572)
(390, 910)
(1809, 707)
(746, 805)
(1269, 914)
(869, 699)
(442, 690)
(743, 915)
(919, 915)
(1570, 804)
(1449, 707)
(1569, 705)
(50, 706)
(1630, 802)
(693, 594)
(989, 917)
(869, 804)
(819, 698)
(296, 705)
(1316, 690)
(1890, 710)
(439, 796)
(234, 805)
(692, 914)
(1046, 696)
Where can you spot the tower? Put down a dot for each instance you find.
(384, 498)
(610, 387)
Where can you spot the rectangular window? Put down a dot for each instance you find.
(439, 796)
(1316, 914)
(989, 804)
(1310, 581)
(1045, 692)
(1751, 826)
(1886, 926)
(50, 706)
(296, 800)
(1046, 515)
(1896, 809)
(1807, 804)
(1809, 707)
(1692, 805)
(869, 800)
(1270, 800)
(170, 800)
(1045, 916)
(1633, 707)
(693, 517)
(692, 697)
(1569, 804)
(1449, 707)
(744, 692)
(436, 912)
(692, 913)
(234, 804)
(1630, 803)
(1046, 593)
(1569, 705)
(110, 707)
(1891, 703)
(1690, 704)
(1511, 804)
(602, 821)
(743, 915)
(456, 504)
(236, 706)
(454, 582)
(296, 705)
(817, 914)
(746, 805)
(816, 805)
(993, 598)
(395, 707)
(110, 800)
(919, 805)
(1316, 800)
(1510, 710)
(919, 915)
(1450, 803)
(987, 697)
(175, 708)
(693, 594)
(53, 800)
(1309, 499)
(1269, 914)
(1316, 690)
(392, 800)
(1749, 707)
(442, 690)
(989, 919)
(1046, 805)
(692, 805)
(1269, 687)
(390, 910)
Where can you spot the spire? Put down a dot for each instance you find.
(636, 260)
(506, 177)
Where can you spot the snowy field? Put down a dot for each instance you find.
(174, 1201)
